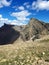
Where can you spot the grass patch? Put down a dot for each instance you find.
(45, 40)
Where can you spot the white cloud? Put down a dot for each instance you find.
(7, 21)
(21, 8)
(40, 5)
(3, 20)
(16, 22)
(0, 16)
(22, 15)
(5, 3)
(27, 5)
(1, 5)
(21, 20)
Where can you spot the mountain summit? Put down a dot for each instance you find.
(35, 29)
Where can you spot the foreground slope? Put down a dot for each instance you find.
(25, 53)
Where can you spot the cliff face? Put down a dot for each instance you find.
(33, 30)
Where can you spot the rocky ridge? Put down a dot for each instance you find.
(35, 29)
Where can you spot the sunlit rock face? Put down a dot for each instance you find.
(35, 29)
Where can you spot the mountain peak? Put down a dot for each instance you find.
(33, 19)
(35, 28)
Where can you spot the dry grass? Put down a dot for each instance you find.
(24, 53)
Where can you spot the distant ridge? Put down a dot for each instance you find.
(35, 29)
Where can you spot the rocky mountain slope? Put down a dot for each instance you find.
(35, 29)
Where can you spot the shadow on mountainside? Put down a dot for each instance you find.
(8, 35)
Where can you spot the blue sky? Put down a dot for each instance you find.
(19, 12)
